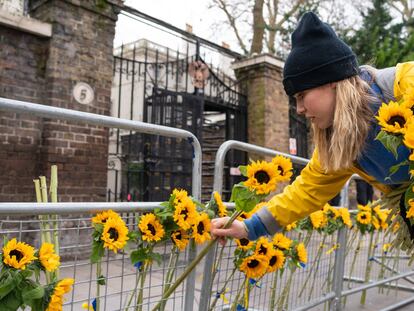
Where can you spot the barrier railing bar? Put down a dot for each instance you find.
(361, 280)
(206, 288)
(328, 296)
(107, 121)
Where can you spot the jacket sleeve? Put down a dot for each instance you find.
(308, 193)
(404, 79)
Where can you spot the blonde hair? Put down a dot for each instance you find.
(341, 144)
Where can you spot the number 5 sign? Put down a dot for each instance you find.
(83, 93)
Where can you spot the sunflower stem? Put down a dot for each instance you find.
(138, 306)
(194, 263)
(53, 198)
(236, 300)
(318, 256)
(170, 272)
(98, 286)
(274, 286)
(368, 269)
(135, 290)
(213, 304)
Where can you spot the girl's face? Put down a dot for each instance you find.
(318, 104)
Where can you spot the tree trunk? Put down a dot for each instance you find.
(258, 27)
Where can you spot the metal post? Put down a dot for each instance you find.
(206, 288)
(339, 263)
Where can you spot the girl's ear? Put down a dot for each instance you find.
(333, 85)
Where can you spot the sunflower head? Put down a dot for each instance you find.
(247, 215)
(284, 166)
(409, 135)
(18, 254)
(221, 208)
(302, 253)
(180, 239)
(56, 299)
(151, 228)
(114, 234)
(276, 260)
(318, 219)
(364, 218)
(330, 211)
(262, 177)
(185, 213)
(410, 213)
(394, 118)
(47, 257)
(102, 217)
(201, 228)
(263, 246)
(281, 241)
(345, 216)
(179, 196)
(291, 226)
(244, 244)
(254, 266)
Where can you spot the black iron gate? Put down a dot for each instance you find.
(155, 85)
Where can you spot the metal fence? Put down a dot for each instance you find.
(330, 279)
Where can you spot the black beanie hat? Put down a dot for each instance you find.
(317, 57)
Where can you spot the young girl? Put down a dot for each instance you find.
(341, 100)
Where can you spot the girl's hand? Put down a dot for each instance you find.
(237, 229)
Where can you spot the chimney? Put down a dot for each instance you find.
(189, 28)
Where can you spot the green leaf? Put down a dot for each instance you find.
(139, 255)
(396, 167)
(156, 257)
(97, 251)
(390, 142)
(11, 302)
(243, 170)
(32, 292)
(9, 281)
(101, 280)
(245, 199)
(409, 195)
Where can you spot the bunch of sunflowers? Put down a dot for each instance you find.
(397, 135)
(20, 269)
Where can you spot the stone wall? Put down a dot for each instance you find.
(45, 70)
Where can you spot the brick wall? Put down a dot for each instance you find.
(268, 109)
(45, 71)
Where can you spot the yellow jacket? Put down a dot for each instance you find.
(313, 188)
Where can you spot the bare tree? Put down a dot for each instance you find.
(264, 25)
(405, 8)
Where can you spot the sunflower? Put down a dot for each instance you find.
(284, 166)
(302, 253)
(395, 227)
(185, 213)
(262, 177)
(364, 218)
(276, 260)
(18, 254)
(180, 195)
(364, 208)
(345, 216)
(221, 208)
(102, 217)
(47, 257)
(263, 247)
(56, 300)
(254, 266)
(281, 241)
(291, 226)
(201, 228)
(386, 247)
(409, 136)
(114, 234)
(180, 239)
(318, 219)
(410, 212)
(330, 211)
(394, 118)
(375, 222)
(244, 244)
(151, 228)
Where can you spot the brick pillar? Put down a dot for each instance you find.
(80, 50)
(268, 105)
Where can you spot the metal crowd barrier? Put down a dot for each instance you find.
(7, 209)
(120, 273)
(259, 297)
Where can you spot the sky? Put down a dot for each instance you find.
(175, 12)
